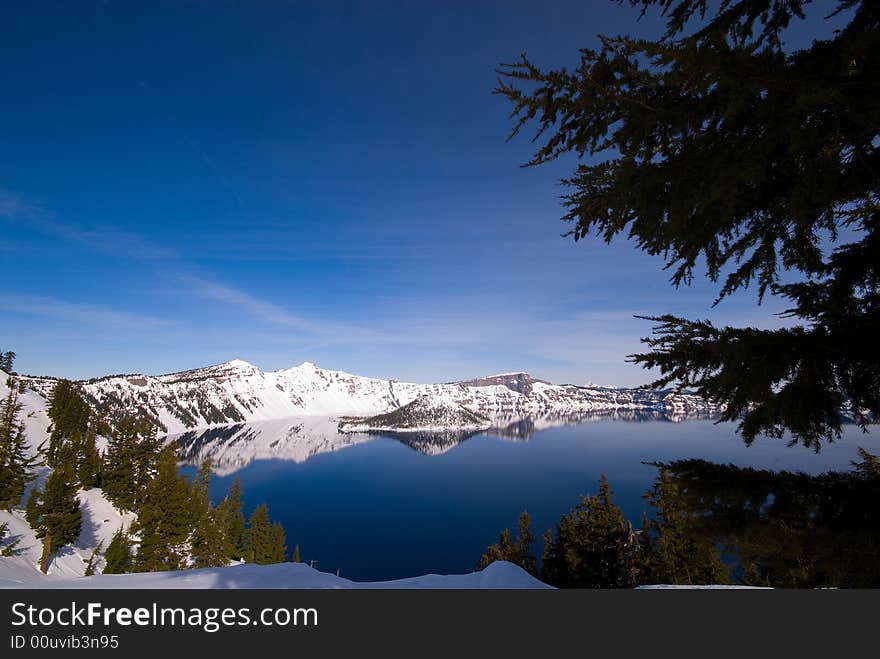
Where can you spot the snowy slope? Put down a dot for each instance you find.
(238, 392)
(100, 518)
(33, 413)
(283, 576)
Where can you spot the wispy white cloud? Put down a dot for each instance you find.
(311, 332)
(14, 207)
(469, 330)
(87, 314)
(458, 333)
(100, 238)
(259, 308)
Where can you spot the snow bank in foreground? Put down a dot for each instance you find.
(281, 576)
(707, 587)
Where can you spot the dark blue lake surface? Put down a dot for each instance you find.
(380, 509)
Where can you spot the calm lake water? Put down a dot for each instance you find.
(377, 508)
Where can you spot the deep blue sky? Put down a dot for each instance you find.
(184, 183)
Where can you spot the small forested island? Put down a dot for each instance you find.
(424, 414)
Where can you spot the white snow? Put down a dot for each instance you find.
(100, 520)
(239, 392)
(279, 576)
(701, 587)
(33, 414)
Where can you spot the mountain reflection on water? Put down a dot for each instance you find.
(232, 447)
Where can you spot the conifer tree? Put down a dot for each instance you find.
(93, 557)
(868, 466)
(69, 413)
(88, 469)
(518, 553)
(16, 467)
(594, 546)
(118, 558)
(130, 462)
(524, 541)
(777, 528)
(277, 544)
(551, 569)
(6, 361)
(230, 514)
(296, 558)
(201, 490)
(59, 519)
(259, 540)
(120, 480)
(8, 547)
(717, 146)
(146, 451)
(208, 543)
(673, 552)
(165, 517)
(32, 508)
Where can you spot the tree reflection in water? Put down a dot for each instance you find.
(717, 524)
(782, 528)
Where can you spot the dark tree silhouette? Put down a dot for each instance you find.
(716, 145)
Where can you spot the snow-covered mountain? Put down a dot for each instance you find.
(239, 392)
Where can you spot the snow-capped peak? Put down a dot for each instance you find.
(239, 392)
(238, 363)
